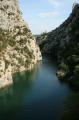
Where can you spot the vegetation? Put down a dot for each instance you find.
(72, 107)
(3, 40)
(63, 45)
(41, 37)
(70, 53)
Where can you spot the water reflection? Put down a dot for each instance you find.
(72, 107)
(11, 97)
(35, 95)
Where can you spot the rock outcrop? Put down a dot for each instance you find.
(18, 48)
(63, 45)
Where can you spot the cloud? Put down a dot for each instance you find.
(55, 3)
(48, 14)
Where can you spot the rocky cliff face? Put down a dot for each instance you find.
(18, 48)
(58, 38)
(63, 45)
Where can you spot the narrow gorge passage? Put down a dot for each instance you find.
(35, 95)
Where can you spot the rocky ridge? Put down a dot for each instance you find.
(18, 48)
(63, 45)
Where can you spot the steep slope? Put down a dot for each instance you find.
(56, 39)
(63, 45)
(18, 48)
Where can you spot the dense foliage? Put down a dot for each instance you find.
(71, 51)
(62, 44)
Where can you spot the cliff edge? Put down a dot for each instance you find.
(18, 48)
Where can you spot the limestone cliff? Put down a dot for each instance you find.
(18, 48)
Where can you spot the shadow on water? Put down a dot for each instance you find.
(71, 111)
(35, 95)
(11, 97)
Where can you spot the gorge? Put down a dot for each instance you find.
(33, 71)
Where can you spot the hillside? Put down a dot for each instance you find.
(62, 44)
(18, 48)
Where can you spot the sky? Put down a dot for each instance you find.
(45, 15)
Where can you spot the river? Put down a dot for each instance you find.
(35, 95)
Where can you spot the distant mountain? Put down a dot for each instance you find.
(18, 48)
(63, 45)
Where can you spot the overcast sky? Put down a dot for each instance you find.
(45, 15)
